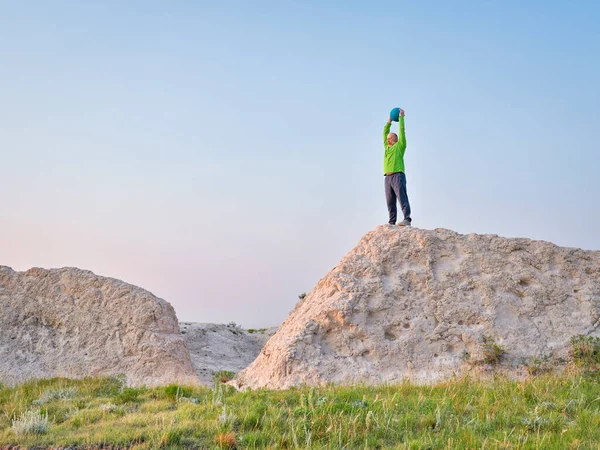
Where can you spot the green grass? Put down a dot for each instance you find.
(546, 412)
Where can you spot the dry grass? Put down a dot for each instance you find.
(226, 440)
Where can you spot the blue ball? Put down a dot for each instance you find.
(395, 114)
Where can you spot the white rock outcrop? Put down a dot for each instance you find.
(214, 347)
(72, 323)
(420, 304)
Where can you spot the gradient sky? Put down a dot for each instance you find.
(225, 155)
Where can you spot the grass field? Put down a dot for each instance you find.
(545, 412)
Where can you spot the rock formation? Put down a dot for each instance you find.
(69, 322)
(424, 305)
(216, 347)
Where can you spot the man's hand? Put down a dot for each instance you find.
(390, 120)
(401, 113)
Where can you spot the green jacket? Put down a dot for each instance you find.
(393, 160)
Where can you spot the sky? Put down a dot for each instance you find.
(226, 155)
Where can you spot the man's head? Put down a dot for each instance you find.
(392, 138)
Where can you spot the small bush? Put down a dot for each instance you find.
(128, 395)
(223, 376)
(539, 366)
(492, 352)
(175, 392)
(108, 407)
(585, 350)
(58, 393)
(302, 296)
(254, 330)
(109, 386)
(225, 417)
(226, 440)
(30, 422)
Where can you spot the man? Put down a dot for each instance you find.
(393, 169)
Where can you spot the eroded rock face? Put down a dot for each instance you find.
(420, 304)
(69, 322)
(214, 347)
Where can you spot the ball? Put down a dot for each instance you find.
(395, 114)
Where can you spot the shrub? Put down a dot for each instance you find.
(58, 393)
(492, 352)
(175, 392)
(302, 296)
(254, 330)
(223, 376)
(226, 440)
(225, 417)
(539, 366)
(109, 386)
(108, 407)
(128, 395)
(585, 350)
(31, 422)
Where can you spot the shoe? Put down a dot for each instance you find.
(404, 223)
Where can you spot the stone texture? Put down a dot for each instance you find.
(69, 322)
(215, 347)
(419, 304)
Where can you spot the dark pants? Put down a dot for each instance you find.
(395, 188)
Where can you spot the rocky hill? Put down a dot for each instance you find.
(69, 322)
(214, 347)
(424, 305)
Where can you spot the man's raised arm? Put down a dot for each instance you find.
(386, 131)
(402, 135)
